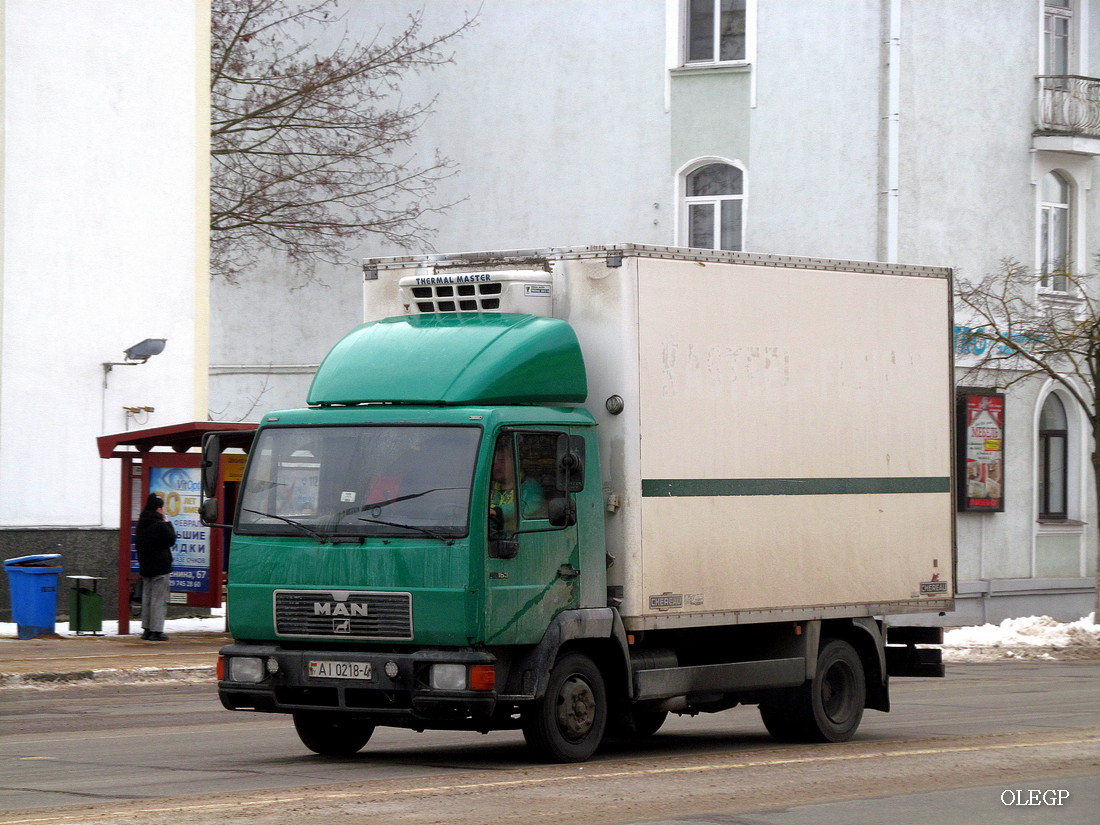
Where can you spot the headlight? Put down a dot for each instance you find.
(245, 669)
(448, 677)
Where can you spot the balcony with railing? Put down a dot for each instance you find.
(1068, 114)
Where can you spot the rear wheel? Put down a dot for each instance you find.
(332, 734)
(567, 724)
(828, 708)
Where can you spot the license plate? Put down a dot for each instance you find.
(340, 670)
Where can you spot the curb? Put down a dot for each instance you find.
(115, 675)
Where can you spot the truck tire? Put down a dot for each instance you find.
(332, 734)
(567, 724)
(828, 708)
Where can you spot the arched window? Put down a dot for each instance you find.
(1054, 234)
(714, 195)
(1053, 459)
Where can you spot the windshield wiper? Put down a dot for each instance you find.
(388, 501)
(431, 533)
(321, 538)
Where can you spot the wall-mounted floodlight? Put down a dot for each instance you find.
(144, 350)
(139, 353)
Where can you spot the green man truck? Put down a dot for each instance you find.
(573, 490)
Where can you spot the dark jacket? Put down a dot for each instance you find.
(154, 540)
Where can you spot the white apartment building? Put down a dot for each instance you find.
(919, 131)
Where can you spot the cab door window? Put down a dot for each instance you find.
(537, 473)
(503, 516)
(523, 481)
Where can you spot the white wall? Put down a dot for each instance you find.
(817, 127)
(104, 193)
(967, 199)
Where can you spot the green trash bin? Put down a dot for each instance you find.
(85, 606)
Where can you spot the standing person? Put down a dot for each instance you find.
(154, 539)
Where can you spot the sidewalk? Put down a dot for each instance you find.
(192, 650)
(116, 658)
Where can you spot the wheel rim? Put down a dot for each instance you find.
(838, 692)
(576, 708)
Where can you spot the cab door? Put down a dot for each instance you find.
(533, 565)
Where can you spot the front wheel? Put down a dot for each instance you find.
(828, 708)
(567, 724)
(332, 734)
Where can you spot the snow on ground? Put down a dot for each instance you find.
(1032, 638)
(214, 623)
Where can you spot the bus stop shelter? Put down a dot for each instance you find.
(165, 461)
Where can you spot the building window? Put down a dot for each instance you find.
(715, 31)
(1054, 234)
(714, 197)
(1057, 34)
(1053, 459)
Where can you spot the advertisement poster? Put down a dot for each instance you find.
(181, 489)
(982, 451)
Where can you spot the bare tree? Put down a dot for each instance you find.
(306, 140)
(1021, 329)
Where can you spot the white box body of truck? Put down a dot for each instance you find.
(775, 432)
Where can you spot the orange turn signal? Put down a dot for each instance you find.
(483, 677)
(221, 669)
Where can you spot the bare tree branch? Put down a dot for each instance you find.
(305, 140)
(1021, 329)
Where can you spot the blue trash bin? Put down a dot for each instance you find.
(33, 584)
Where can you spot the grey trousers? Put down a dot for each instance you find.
(154, 602)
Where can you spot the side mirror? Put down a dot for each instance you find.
(562, 512)
(211, 464)
(570, 455)
(208, 512)
(503, 549)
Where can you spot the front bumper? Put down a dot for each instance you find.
(404, 699)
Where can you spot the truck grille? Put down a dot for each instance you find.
(343, 614)
(458, 298)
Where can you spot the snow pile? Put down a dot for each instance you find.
(1032, 637)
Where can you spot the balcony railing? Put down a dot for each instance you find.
(1069, 105)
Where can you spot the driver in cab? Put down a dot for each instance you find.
(502, 492)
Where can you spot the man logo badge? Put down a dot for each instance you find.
(339, 609)
(341, 625)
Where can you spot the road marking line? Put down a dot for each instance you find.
(532, 781)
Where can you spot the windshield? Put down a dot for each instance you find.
(359, 481)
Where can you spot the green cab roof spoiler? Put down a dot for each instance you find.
(454, 359)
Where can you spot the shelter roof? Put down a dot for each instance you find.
(177, 437)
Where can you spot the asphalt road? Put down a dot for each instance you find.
(953, 752)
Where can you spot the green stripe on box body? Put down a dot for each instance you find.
(701, 487)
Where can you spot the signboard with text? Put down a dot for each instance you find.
(180, 489)
(981, 451)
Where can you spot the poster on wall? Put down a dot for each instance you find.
(181, 489)
(981, 452)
